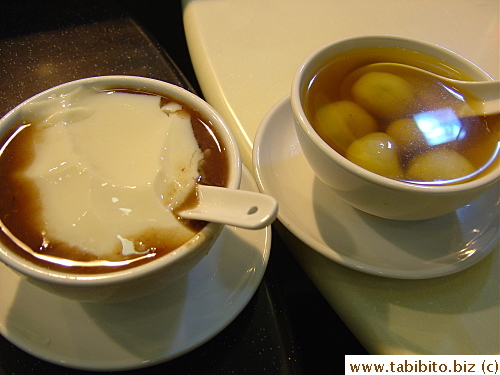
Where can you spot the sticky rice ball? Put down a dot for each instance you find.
(383, 94)
(465, 110)
(438, 165)
(407, 135)
(342, 122)
(377, 153)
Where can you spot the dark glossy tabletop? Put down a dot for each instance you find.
(287, 327)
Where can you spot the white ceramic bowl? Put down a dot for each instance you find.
(156, 274)
(365, 190)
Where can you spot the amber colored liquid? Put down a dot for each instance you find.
(479, 134)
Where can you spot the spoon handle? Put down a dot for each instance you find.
(489, 92)
(241, 208)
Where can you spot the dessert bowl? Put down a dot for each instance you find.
(110, 284)
(366, 190)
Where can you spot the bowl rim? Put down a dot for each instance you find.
(196, 243)
(315, 59)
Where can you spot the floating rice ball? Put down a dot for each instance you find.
(383, 94)
(407, 135)
(342, 122)
(438, 165)
(377, 153)
(465, 110)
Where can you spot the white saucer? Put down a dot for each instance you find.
(397, 249)
(146, 331)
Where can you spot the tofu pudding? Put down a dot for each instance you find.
(91, 180)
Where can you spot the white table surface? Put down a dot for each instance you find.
(245, 53)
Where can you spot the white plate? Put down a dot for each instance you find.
(397, 249)
(146, 331)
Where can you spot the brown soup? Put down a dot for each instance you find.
(21, 207)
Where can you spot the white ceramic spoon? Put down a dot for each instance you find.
(240, 208)
(486, 91)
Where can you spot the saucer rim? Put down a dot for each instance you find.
(235, 306)
(323, 249)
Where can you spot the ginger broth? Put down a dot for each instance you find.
(470, 137)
